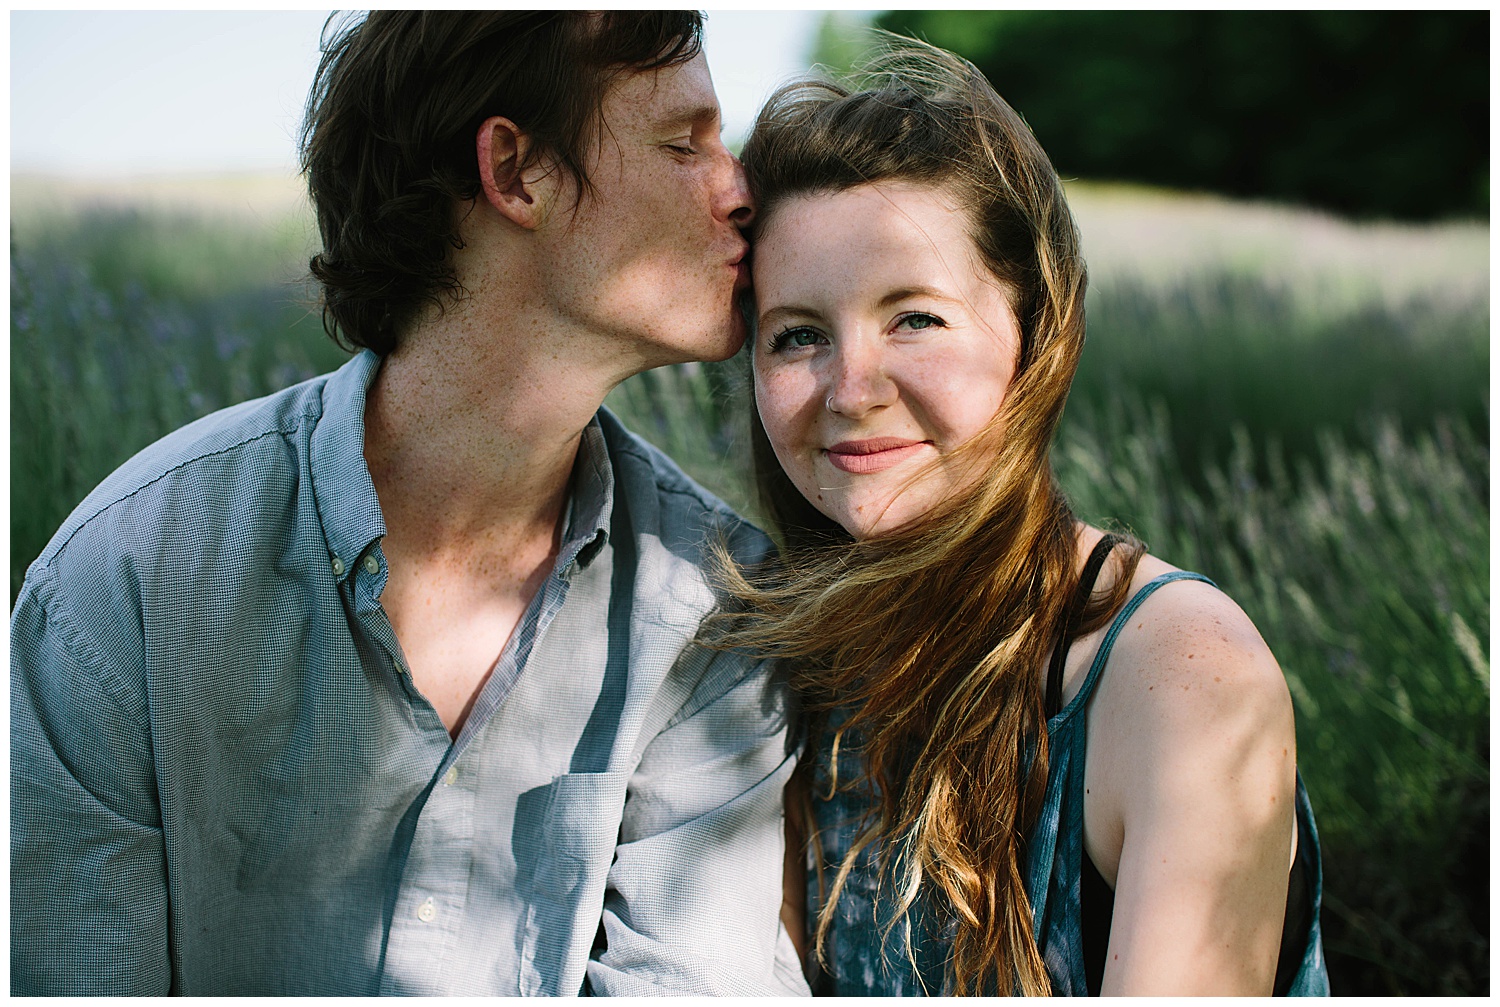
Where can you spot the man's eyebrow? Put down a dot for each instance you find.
(690, 115)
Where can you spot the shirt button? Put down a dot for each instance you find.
(338, 567)
(451, 776)
(426, 911)
(371, 565)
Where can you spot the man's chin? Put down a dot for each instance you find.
(731, 340)
(712, 340)
(718, 343)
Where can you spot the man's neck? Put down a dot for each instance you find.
(472, 427)
(471, 431)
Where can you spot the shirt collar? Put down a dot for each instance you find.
(591, 500)
(346, 499)
(347, 504)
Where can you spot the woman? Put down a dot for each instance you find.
(1043, 760)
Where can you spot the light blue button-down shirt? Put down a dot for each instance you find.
(224, 781)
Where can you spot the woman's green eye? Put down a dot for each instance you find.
(921, 321)
(799, 337)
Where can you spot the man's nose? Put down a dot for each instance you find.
(739, 204)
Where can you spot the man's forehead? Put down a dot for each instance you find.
(674, 95)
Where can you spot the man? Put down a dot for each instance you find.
(385, 683)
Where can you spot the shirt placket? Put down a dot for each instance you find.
(428, 922)
(429, 917)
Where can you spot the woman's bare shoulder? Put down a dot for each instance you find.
(1193, 641)
(1193, 714)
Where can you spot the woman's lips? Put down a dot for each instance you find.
(874, 455)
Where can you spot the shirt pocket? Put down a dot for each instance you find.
(574, 847)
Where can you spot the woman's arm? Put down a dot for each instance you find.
(1189, 806)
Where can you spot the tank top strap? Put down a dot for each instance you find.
(1116, 627)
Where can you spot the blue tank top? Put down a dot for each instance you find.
(868, 956)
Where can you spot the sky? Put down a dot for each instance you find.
(137, 93)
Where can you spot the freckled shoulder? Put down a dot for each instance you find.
(1193, 640)
(1191, 744)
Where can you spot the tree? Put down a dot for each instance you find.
(1363, 112)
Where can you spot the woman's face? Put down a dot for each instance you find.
(883, 344)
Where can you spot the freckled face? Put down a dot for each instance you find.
(655, 256)
(883, 343)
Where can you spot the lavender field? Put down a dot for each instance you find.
(1295, 405)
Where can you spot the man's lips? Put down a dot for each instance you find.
(873, 455)
(739, 264)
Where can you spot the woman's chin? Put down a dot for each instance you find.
(871, 520)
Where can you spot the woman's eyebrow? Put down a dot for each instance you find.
(902, 293)
(890, 298)
(789, 311)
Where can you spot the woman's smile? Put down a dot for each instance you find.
(874, 455)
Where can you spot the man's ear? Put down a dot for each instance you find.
(521, 192)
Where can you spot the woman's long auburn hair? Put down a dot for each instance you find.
(932, 637)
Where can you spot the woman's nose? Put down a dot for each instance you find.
(858, 382)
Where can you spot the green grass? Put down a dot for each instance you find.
(1225, 353)
(1311, 433)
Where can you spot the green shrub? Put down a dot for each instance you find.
(1230, 352)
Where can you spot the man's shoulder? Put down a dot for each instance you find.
(180, 476)
(665, 501)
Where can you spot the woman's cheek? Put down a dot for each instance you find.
(788, 413)
(781, 396)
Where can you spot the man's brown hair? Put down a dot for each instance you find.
(388, 142)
